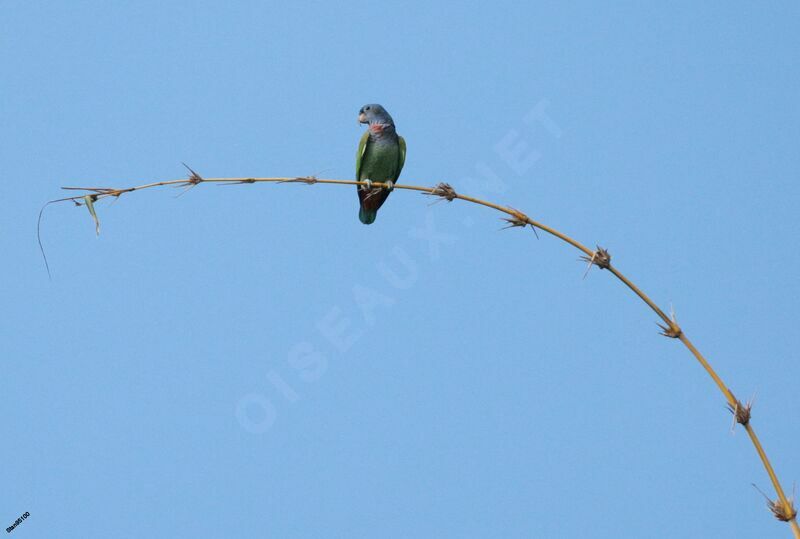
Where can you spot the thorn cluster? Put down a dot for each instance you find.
(194, 177)
(672, 331)
(444, 190)
(518, 219)
(600, 258)
(741, 412)
(782, 511)
(193, 180)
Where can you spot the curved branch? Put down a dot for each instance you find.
(782, 507)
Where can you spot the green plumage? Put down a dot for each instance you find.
(379, 160)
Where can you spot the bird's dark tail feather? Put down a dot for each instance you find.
(367, 216)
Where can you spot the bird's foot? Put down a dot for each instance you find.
(367, 185)
(389, 185)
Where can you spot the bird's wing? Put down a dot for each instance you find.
(402, 159)
(362, 149)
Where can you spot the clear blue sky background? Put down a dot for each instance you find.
(252, 361)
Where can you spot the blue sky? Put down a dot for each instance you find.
(252, 361)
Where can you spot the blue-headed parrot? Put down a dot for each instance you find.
(380, 158)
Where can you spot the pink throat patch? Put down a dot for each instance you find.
(376, 128)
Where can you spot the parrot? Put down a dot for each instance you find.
(380, 158)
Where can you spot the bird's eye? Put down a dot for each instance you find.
(366, 108)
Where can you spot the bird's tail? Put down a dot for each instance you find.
(370, 202)
(367, 216)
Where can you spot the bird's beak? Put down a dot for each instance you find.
(362, 118)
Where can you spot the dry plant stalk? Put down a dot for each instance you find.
(782, 508)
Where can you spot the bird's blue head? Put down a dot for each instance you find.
(375, 115)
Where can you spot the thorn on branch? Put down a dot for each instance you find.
(247, 180)
(443, 190)
(308, 180)
(672, 330)
(193, 180)
(782, 511)
(741, 412)
(600, 258)
(194, 177)
(518, 219)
